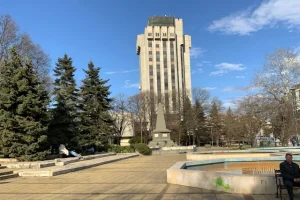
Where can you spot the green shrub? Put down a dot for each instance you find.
(120, 149)
(135, 140)
(143, 149)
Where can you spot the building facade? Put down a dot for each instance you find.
(295, 93)
(164, 59)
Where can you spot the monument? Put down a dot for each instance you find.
(161, 135)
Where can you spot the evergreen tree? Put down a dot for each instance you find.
(23, 110)
(200, 126)
(215, 122)
(95, 121)
(64, 123)
(230, 126)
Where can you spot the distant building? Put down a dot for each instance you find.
(164, 59)
(295, 93)
(124, 122)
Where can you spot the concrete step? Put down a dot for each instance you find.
(72, 167)
(5, 172)
(8, 176)
(65, 161)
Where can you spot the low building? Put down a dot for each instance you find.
(124, 126)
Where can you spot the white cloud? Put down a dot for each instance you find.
(240, 77)
(233, 88)
(128, 71)
(110, 72)
(131, 85)
(269, 14)
(196, 52)
(121, 72)
(210, 88)
(228, 89)
(200, 70)
(226, 67)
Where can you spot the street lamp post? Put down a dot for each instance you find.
(140, 88)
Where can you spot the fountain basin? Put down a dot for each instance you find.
(225, 181)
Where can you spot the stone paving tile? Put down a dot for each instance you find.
(137, 197)
(195, 197)
(150, 196)
(137, 178)
(183, 189)
(259, 197)
(209, 196)
(182, 196)
(223, 197)
(168, 196)
(237, 196)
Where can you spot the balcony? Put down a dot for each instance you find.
(150, 36)
(172, 36)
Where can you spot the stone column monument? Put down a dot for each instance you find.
(161, 135)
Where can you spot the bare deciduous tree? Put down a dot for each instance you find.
(122, 118)
(10, 36)
(281, 72)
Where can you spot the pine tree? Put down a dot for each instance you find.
(23, 110)
(230, 127)
(94, 104)
(64, 122)
(200, 126)
(215, 122)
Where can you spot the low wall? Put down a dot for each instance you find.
(8, 160)
(173, 150)
(179, 148)
(196, 157)
(224, 181)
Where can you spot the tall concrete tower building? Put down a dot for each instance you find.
(164, 58)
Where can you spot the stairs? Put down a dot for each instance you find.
(6, 173)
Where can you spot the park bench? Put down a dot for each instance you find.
(279, 183)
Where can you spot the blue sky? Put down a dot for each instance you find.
(230, 39)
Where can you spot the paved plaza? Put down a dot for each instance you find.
(142, 177)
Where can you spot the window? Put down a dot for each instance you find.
(157, 52)
(149, 34)
(150, 59)
(172, 44)
(150, 52)
(157, 45)
(157, 34)
(149, 43)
